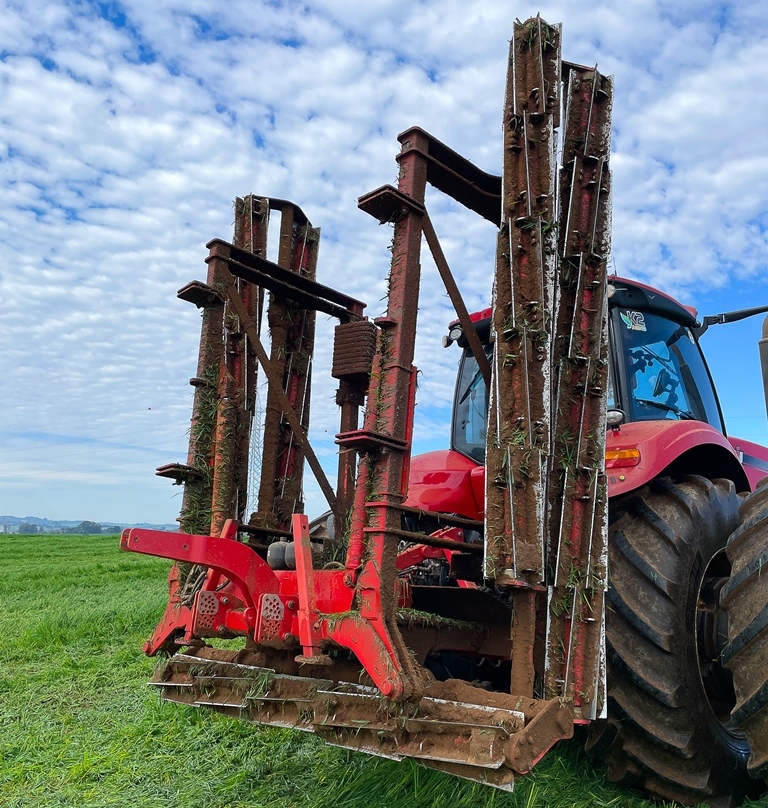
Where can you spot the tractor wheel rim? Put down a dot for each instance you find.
(711, 637)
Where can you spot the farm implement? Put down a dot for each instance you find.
(563, 563)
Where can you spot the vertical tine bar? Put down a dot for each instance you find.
(251, 221)
(292, 333)
(577, 537)
(195, 516)
(237, 378)
(523, 286)
(517, 442)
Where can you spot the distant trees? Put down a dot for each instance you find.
(87, 528)
(28, 528)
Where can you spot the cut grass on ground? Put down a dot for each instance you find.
(81, 728)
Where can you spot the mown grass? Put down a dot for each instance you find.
(81, 728)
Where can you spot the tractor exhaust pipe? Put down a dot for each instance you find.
(763, 346)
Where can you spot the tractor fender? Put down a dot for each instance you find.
(669, 448)
(442, 481)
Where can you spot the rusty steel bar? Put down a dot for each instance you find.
(389, 411)
(292, 342)
(223, 497)
(517, 440)
(237, 380)
(277, 317)
(577, 540)
(291, 416)
(195, 514)
(470, 332)
(251, 226)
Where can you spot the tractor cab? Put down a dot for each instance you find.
(657, 370)
(664, 417)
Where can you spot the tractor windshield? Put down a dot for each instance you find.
(662, 368)
(657, 373)
(470, 409)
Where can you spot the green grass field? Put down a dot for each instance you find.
(81, 728)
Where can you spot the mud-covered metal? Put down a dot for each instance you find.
(491, 740)
(396, 637)
(578, 497)
(517, 440)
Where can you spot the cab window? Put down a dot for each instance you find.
(470, 410)
(665, 371)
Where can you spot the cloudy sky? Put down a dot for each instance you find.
(127, 129)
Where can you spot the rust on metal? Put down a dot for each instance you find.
(458, 303)
(455, 727)
(292, 329)
(578, 493)
(517, 441)
(344, 649)
(287, 410)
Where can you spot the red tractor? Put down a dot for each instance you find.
(672, 482)
(563, 563)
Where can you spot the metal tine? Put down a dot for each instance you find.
(514, 80)
(571, 649)
(485, 708)
(572, 184)
(363, 747)
(211, 703)
(566, 481)
(497, 391)
(527, 167)
(542, 279)
(502, 779)
(544, 460)
(598, 202)
(415, 751)
(511, 494)
(189, 658)
(542, 101)
(576, 299)
(240, 680)
(513, 313)
(524, 339)
(593, 495)
(583, 408)
(170, 684)
(595, 78)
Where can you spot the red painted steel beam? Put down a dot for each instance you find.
(389, 413)
(236, 561)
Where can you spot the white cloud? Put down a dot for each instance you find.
(123, 142)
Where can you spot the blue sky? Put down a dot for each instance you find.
(127, 129)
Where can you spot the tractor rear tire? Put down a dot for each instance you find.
(668, 731)
(745, 599)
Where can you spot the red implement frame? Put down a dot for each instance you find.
(330, 642)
